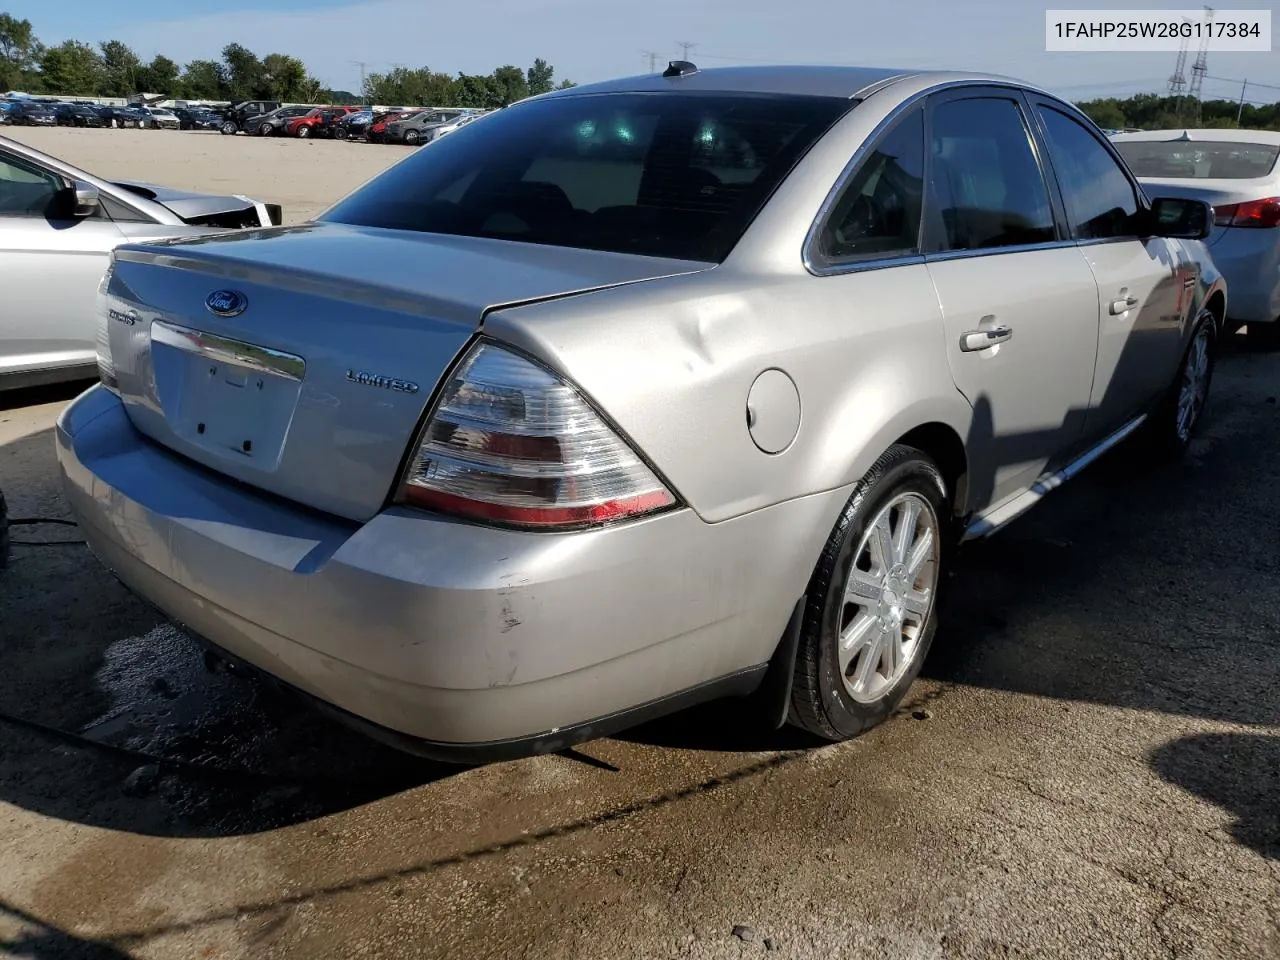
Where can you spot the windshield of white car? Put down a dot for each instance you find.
(1199, 160)
(667, 175)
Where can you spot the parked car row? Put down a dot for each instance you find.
(407, 125)
(44, 113)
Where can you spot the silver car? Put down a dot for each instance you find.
(1238, 172)
(635, 395)
(58, 226)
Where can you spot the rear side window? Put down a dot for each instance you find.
(986, 183)
(1099, 197)
(666, 174)
(878, 215)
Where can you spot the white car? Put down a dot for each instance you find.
(1238, 173)
(58, 226)
(162, 119)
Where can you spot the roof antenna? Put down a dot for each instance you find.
(680, 68)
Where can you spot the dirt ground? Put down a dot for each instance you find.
(1090, 767)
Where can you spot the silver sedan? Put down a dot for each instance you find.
(58, 226)
(638, 394)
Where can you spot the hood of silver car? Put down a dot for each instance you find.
(185, 203)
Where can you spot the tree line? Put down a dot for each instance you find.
(112, 69)
(1150, 111)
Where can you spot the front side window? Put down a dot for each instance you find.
(26, 190)
(1100, 199)
(669, 175)
(985, 181)
(878, 215)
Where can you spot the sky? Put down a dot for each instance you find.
(587, 40)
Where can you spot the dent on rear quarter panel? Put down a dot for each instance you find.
(671, 363)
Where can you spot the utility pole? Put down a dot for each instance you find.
(1240, 109)
(685, 46)
(653, 59)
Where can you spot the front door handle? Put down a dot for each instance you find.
(975, 340)
(1123, 306)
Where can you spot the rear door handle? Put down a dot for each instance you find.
(1123, 306)
(975, 340)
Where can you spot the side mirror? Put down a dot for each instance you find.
(1181, 219)
(87, 200)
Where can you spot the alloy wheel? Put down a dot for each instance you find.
(889, 596)
(1195, 383)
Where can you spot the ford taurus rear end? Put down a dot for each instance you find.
(317, 448)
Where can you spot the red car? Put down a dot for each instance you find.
(318, 123)
(377, 132)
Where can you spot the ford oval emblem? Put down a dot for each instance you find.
(226, 303)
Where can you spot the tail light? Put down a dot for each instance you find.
(509, 441)
(1254, 213)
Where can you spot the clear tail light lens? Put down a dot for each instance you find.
(509, 441)
(1254, 213)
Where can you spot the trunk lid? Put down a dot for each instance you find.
(314, 389)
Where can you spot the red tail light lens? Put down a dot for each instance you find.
(1254, 213)
(510, 441)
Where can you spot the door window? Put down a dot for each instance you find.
(1099, 197)
(985, 181)
(878, 214)
(26, 190)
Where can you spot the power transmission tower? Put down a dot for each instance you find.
(685, 46)
(1178, 79)
(653, 59)
(361, 64)
(1201, 67)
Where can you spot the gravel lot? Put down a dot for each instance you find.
(1090, 769)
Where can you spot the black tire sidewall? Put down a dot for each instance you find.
(914, 474)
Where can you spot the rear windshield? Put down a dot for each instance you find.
(668, 175)
(1199, 160)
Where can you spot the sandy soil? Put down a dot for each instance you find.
(305, 176)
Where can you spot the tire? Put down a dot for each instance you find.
(264, 130)
(1265, 336)
(1167, 426)
(411, 137)
(228, 128)
(823, 701)
(304, 132)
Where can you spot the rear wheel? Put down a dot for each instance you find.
(1174, 422)
(870, 614)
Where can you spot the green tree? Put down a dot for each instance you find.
(203, 80)
(286, 77)
(19, 51)
(566, 85)
(538, 78)
(422, 87)
(509, 85)
(1105, 113)
(476, 90)
(159, 76)
(120, 66)
(71, 67)
(244, 73)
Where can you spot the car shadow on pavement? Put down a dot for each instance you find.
(39, 940)
(1239, 772)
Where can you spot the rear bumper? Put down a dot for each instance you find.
(1249, 260)
(459, 637)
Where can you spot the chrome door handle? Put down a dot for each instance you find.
(1123, 306)
(975, 340)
